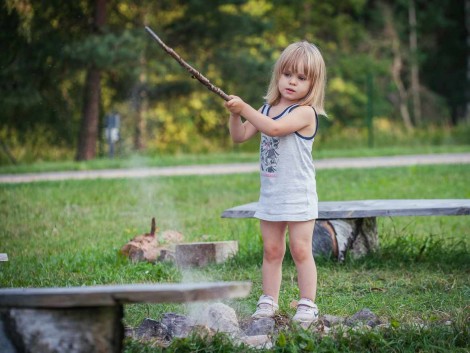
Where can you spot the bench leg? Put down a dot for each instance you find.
(72, 330)
(337, 237)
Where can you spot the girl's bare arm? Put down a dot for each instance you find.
(240, 131)
(301, 118)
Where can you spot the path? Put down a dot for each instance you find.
(234, 168)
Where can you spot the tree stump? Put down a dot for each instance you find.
(336, 237)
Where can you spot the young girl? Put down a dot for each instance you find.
(288, 199)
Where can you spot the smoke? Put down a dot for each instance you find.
(153, 197)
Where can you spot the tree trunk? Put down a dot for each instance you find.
(90, 116)
(467, 24)
(139, 103)
(397, 66)
(88, 136)
(414, 64)
(7, 151)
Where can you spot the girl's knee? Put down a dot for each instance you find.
(301, 254)
(274, 253)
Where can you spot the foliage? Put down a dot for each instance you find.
(388, 133)
(49, 45)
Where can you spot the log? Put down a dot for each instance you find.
(337, 238)
(203, 253)
(77, 330)
(88, 319)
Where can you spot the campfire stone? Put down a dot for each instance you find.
(263, 326)
(364, 317)
(152, 329)
(330, 320)
(259, 341)
(178, 325)
(218, 317)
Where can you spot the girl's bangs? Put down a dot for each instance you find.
(298, 61)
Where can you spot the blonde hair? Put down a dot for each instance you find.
(301, 57)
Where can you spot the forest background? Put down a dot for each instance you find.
(398, 72)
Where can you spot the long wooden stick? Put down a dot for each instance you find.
(196, 74)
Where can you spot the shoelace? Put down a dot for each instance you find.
(265, 306)
(305, 309)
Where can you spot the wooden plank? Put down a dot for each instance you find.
(3, 257)
(109, 295)
(373, 208)
(243, 211)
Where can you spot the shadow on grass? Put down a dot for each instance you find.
(405, 250)
(394, 252)
(410, 250)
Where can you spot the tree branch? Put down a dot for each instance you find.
(196, 74)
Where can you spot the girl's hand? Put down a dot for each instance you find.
(235, 105)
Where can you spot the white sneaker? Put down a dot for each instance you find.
(266, 307)
(307, 311)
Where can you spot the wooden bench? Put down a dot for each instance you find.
(88, 319)
(344, 226)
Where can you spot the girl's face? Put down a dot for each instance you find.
(293, 86)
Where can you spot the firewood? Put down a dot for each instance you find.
(153, 227)
(151, 247)
(142, 247)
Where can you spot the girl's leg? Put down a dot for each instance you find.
(300, 243)
(274, 248)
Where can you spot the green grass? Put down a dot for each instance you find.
(137, 161)
(68, 233)
(399, 339)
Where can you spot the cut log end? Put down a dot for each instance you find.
(204, 253)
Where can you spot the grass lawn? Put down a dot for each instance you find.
(68, 233)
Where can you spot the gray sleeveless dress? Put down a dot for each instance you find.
(288, 186)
